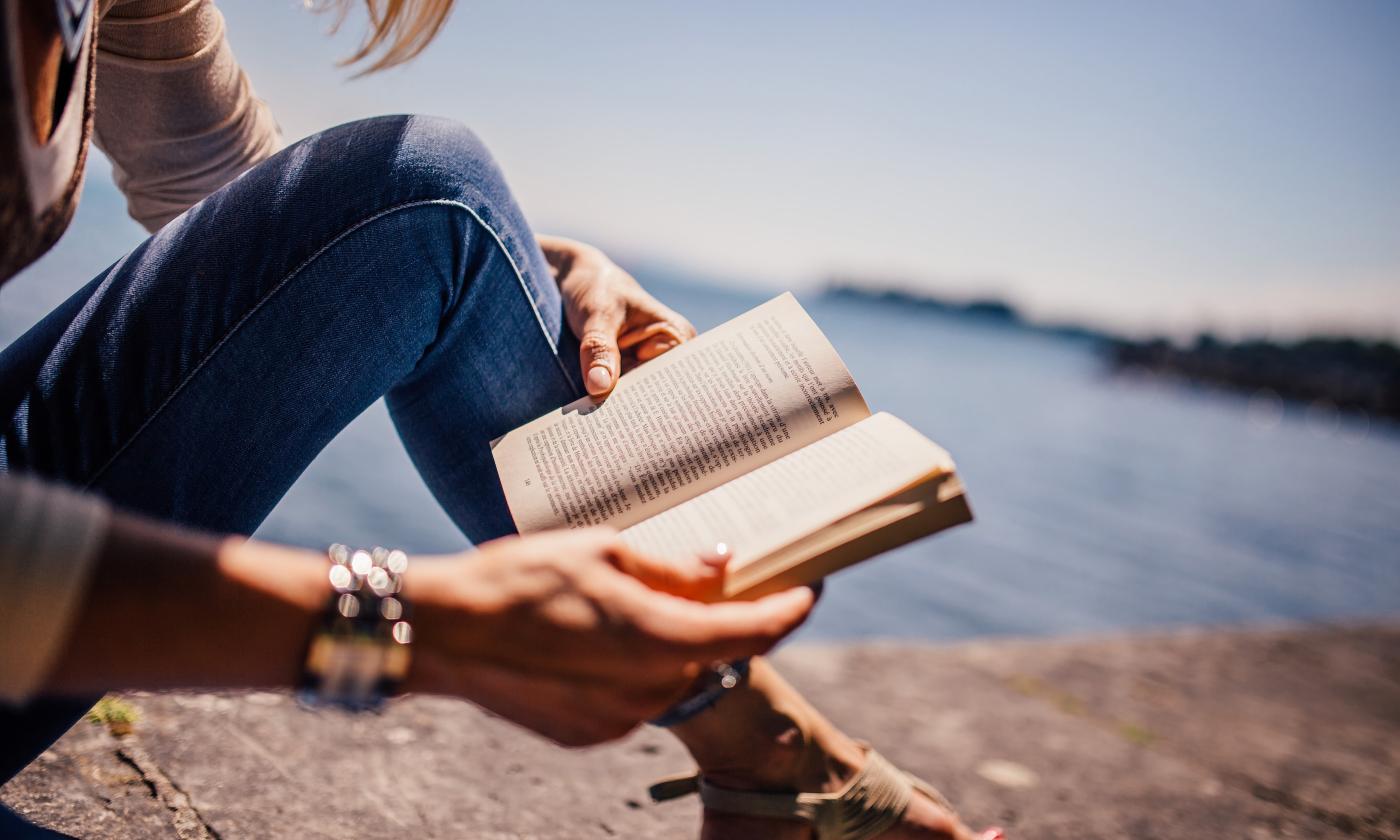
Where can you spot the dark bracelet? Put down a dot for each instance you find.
(718, 680)
(359, 652)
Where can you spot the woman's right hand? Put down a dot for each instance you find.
(575, 635)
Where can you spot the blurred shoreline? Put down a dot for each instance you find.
(1326, 373)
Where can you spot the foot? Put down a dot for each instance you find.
(765, 736)
(924, 820)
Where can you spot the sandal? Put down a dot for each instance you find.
(872, 802)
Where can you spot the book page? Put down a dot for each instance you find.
(733, 399)
(789, 499)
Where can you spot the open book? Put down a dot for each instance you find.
(753, 434)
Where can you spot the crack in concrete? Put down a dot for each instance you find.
(188, 823)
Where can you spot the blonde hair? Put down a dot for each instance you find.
(399, 29)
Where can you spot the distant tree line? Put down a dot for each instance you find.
(990, 308)
(1351, 373)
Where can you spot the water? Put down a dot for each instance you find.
(1102, 503)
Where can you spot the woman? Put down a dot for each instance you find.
(281, 292)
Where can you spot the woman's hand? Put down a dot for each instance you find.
(562, 633)
(618, 323)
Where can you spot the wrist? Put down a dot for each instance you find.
(447, 606)
(286, 588)
(564, 255)
(559, 244)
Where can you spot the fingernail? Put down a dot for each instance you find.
(717, 557)
(599, 379)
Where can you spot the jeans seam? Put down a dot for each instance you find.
(524, 289)
(272, 292)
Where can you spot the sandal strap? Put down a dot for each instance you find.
(778, 806)
(872, 802)
(674, 787)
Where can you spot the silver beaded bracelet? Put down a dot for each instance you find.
(359, 653)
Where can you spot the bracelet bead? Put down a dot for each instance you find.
(359, 654)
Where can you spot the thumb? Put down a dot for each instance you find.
(599, 358)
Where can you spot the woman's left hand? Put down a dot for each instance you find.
(618, 323)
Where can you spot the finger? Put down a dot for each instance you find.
(682, 325)
(698, 578)
(704, 632)
(599, 356)
(596, 539)
(655, 329)
(687, 329)
(655, 346)
(719, 556)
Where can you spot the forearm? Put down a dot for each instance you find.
(168, 608)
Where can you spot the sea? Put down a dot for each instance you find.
(1104, 502)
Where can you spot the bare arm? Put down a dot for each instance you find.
(168, 608)
(556, 631)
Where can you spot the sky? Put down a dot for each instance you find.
(1174, 166)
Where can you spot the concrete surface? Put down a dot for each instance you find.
(1280, 733)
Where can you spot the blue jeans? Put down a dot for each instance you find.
(196, 378)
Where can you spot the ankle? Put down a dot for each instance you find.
(816, 759)
(765, 736)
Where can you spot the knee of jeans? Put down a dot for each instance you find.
(438, 158)
(366, 169)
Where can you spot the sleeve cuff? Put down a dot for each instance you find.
(49, 540)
